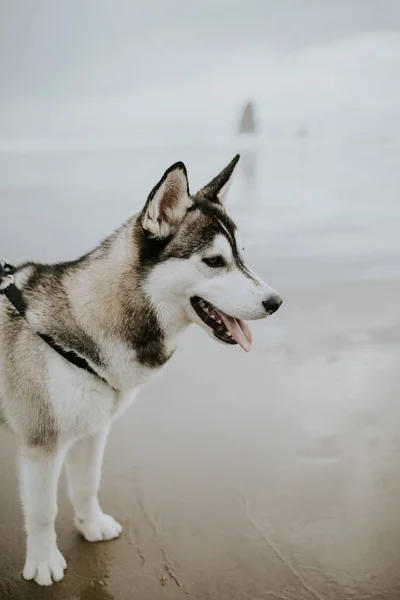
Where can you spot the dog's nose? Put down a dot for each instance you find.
(272, 304)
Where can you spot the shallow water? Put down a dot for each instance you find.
(276, 474)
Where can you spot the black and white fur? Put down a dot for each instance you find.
(122, 307)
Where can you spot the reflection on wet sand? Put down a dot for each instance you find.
(249, 175)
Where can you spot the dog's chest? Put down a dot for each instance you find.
(123, 400)
(125, 369)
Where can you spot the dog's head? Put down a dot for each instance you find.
(193, 262)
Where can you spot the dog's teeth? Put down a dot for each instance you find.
(229, 334)
(201, 302)
(219, 321)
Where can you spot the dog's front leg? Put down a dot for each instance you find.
(39, 474)
(84, 463)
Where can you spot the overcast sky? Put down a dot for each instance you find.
(104, 69)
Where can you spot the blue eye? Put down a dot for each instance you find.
(215, 261)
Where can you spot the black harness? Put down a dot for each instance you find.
(15, 297)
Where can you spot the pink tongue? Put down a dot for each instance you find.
(239, 330)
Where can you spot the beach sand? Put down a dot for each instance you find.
(273, 475)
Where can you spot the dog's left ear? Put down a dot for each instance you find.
(167, 203)
(217, 189)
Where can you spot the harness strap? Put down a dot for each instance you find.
(15, 297)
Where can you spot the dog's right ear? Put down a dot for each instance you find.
(217, 189)
(168, 202)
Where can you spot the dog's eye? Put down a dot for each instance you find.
(215, 261)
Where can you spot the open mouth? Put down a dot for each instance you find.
(227, 329)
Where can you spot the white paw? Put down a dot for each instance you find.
(45, 571)
(103, 528)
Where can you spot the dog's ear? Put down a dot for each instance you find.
(168, 202)
(217, 189)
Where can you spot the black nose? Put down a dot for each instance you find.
(272, 304)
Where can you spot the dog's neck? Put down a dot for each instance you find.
(107, 309)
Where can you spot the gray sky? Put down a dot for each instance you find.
(104, 69)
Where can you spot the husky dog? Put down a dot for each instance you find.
(87, 334)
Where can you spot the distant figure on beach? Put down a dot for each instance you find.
(302, 132)
(247, 122)
(247, 126)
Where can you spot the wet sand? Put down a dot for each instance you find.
(273, 475)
